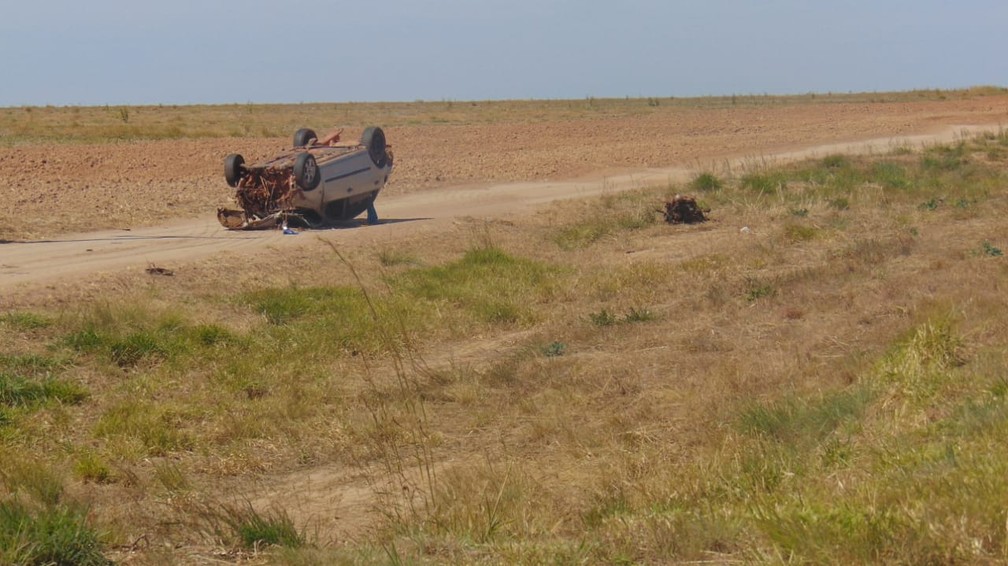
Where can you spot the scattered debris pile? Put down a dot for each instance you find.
(683, 210)
(263, 191)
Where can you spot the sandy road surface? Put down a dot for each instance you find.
(31, 263)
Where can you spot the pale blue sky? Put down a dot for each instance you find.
(64, 52)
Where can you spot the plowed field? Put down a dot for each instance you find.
(50, 188)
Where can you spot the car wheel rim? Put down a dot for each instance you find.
(310, 171)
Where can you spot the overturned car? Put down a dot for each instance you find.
(314, 184)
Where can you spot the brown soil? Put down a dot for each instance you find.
(51, 189)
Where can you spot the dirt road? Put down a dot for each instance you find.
(27, 264)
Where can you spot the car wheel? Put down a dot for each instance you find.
(373, 139)
(234, 166)
(306, 171)
(303, 136)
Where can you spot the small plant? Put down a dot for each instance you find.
(602, 318)
(242, 525)
(756, 289)
(20, 392)
(554, 349)
(890, 175)
(803, 420)
(91, 468)
(638, 315)
(171, 477)
(837, 161)
(124, 114)
(159, 430)
(486, 282)
(705, 183)
(768, 182)
(799, 212)
(392, 258)
(945, 158)
(55, 534)
(931, 204)
(211, 335)
(989, 249)
(800, 233)
(840, 203)
(25, 321)
(135, 347)
(273, 529)
(932, 348)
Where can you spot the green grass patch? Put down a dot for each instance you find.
(890, 175)
(90, 467)
(931, 348)
(57, 534)
(25, 321)
(488, 283)
(283, 306)
(605, 317)
(602, 318)
(940, 174)
(158, 429)
(18, 391)
(945, 157)
(134, 336)
(803, 420)
(31, 364)
(836, 161)
(991, 250)
(706, 183)
(831, 532)
(273, 528)
(765, 182)
(796, 233)
(756, 289)
(245, 527)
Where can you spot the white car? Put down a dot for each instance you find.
(312, 184)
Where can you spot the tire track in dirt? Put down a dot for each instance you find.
(27, 264)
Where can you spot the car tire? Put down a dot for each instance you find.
(373, 139)
(303, 136)
(306, 171)
(234, 169)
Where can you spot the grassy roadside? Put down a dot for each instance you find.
(816, 375)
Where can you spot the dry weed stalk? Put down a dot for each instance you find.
(403, 439)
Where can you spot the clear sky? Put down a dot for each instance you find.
(64, 52)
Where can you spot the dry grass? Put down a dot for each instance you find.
(584, 385)
(109, 123)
